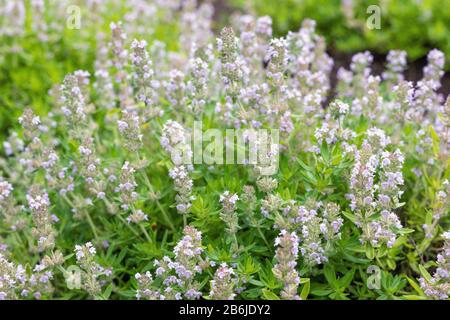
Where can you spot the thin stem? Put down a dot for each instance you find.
(145, 233)
(88, 216)
(128, 225)
(262, 236)
(91, 223)
(235, 242)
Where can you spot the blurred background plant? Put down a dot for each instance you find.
(415, 26)
(38, 49)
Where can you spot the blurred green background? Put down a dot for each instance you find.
(415, 26)
(29, 67)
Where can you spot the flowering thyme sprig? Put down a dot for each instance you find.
(174, 141)
(374, 203)
(440, 206)
(43, 231)
(286, 256)
(120, 60)
(233, 68)
(143, 72)
(10, 210)
(16, 282)
(73, 103)
(130, 128)
(93, 274)
(396, 65)
(229, 216)
(127, 187)
(318, 226)
(178, 275)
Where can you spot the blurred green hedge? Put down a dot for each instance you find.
(415, 26)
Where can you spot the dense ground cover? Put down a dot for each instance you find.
(97, 202)
(412, 25)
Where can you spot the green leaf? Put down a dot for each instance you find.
(256, 282)
(304, 280)
(349, 216)
(330, 275)
(425, 273)
(354, 259)
(324, 151)
(406, 231)
(435, 139)
(414, 297)
(370, 251)
(305, 290)
(269, 295)
(107, 293)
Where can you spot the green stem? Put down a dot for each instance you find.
(145, 233)
(128, 225)
(88, 217)
(91, 223)
(235, 241)
(262, 236)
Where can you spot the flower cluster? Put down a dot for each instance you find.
(317, 225)
(396, 65)
(233, 68)
(374, 202)
(92, 273)
(127, 187)
(174, 140)
(143, 72)
(438, 286)
(433, 71)
(183, 186)
(39, 205)
(11, 212)
(228, 213)
(222, 286)
(73, 104)
(103, 84)
(129, 128)
(120, 61)
(16, 282)
(30, 123)
(285, 271)
(440, 207)
(200, 73)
